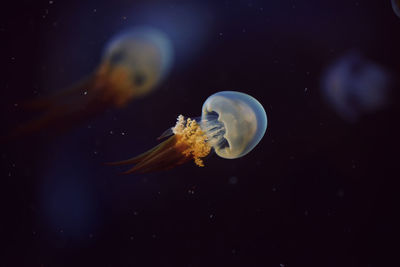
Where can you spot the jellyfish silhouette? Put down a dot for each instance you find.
(132, 65)
(354, 86)
(396, 7)
(231, 124)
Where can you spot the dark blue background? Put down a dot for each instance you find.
(316, 191)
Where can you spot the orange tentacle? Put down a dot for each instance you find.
(142, 156)
(61, 96)
(165, 156)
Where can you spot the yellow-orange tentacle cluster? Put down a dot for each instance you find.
(190, 134)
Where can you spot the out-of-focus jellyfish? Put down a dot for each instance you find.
(231, 124)
(396, 7)
(132, 65)
(354, 86)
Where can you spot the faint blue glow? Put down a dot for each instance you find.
(187, 25)
(396, 7)
(233, 180)
(353, 86)
(67, 202)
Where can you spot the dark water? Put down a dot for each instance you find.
(316, 191)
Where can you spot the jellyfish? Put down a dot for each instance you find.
(354, 86)
(396, 7)
(132, 65)
(231, 125)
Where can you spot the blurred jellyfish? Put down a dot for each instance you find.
(354, 86)
(232, 124)
(396, 7)
(133, 64)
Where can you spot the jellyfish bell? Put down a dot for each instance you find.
(232, 124)
(140, 58)
(141, 46)
(243, 119)
(354, 86)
